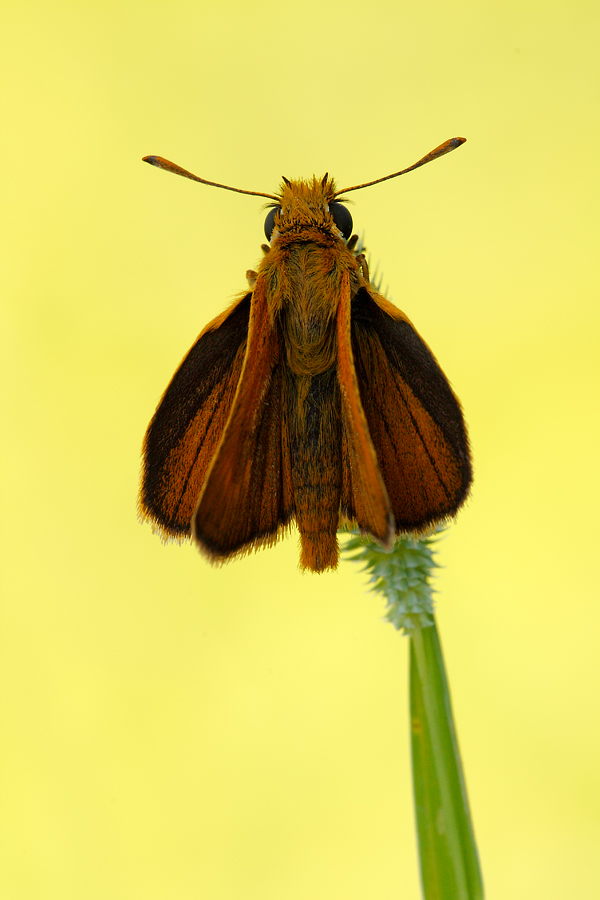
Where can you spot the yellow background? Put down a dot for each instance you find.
(171, 730)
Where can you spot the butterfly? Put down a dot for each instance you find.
(312, 399)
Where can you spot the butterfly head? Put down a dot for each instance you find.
(308, 204)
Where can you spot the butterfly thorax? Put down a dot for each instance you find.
(303, 270)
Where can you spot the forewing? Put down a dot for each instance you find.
(415, 421)
(247, 496)
(364, 499)
(186, 429)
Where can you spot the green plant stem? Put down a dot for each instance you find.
(448, 853)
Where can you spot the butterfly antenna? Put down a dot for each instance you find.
(444, 148)
(169, 166)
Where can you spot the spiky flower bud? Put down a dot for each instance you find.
(403, 575)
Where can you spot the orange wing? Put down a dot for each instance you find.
(247, 496)
(186, 429)
(415, 421)
(364, 498)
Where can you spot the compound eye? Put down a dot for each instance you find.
(342, 218)
(270, 221)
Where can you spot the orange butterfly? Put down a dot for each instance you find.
(312, 398)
